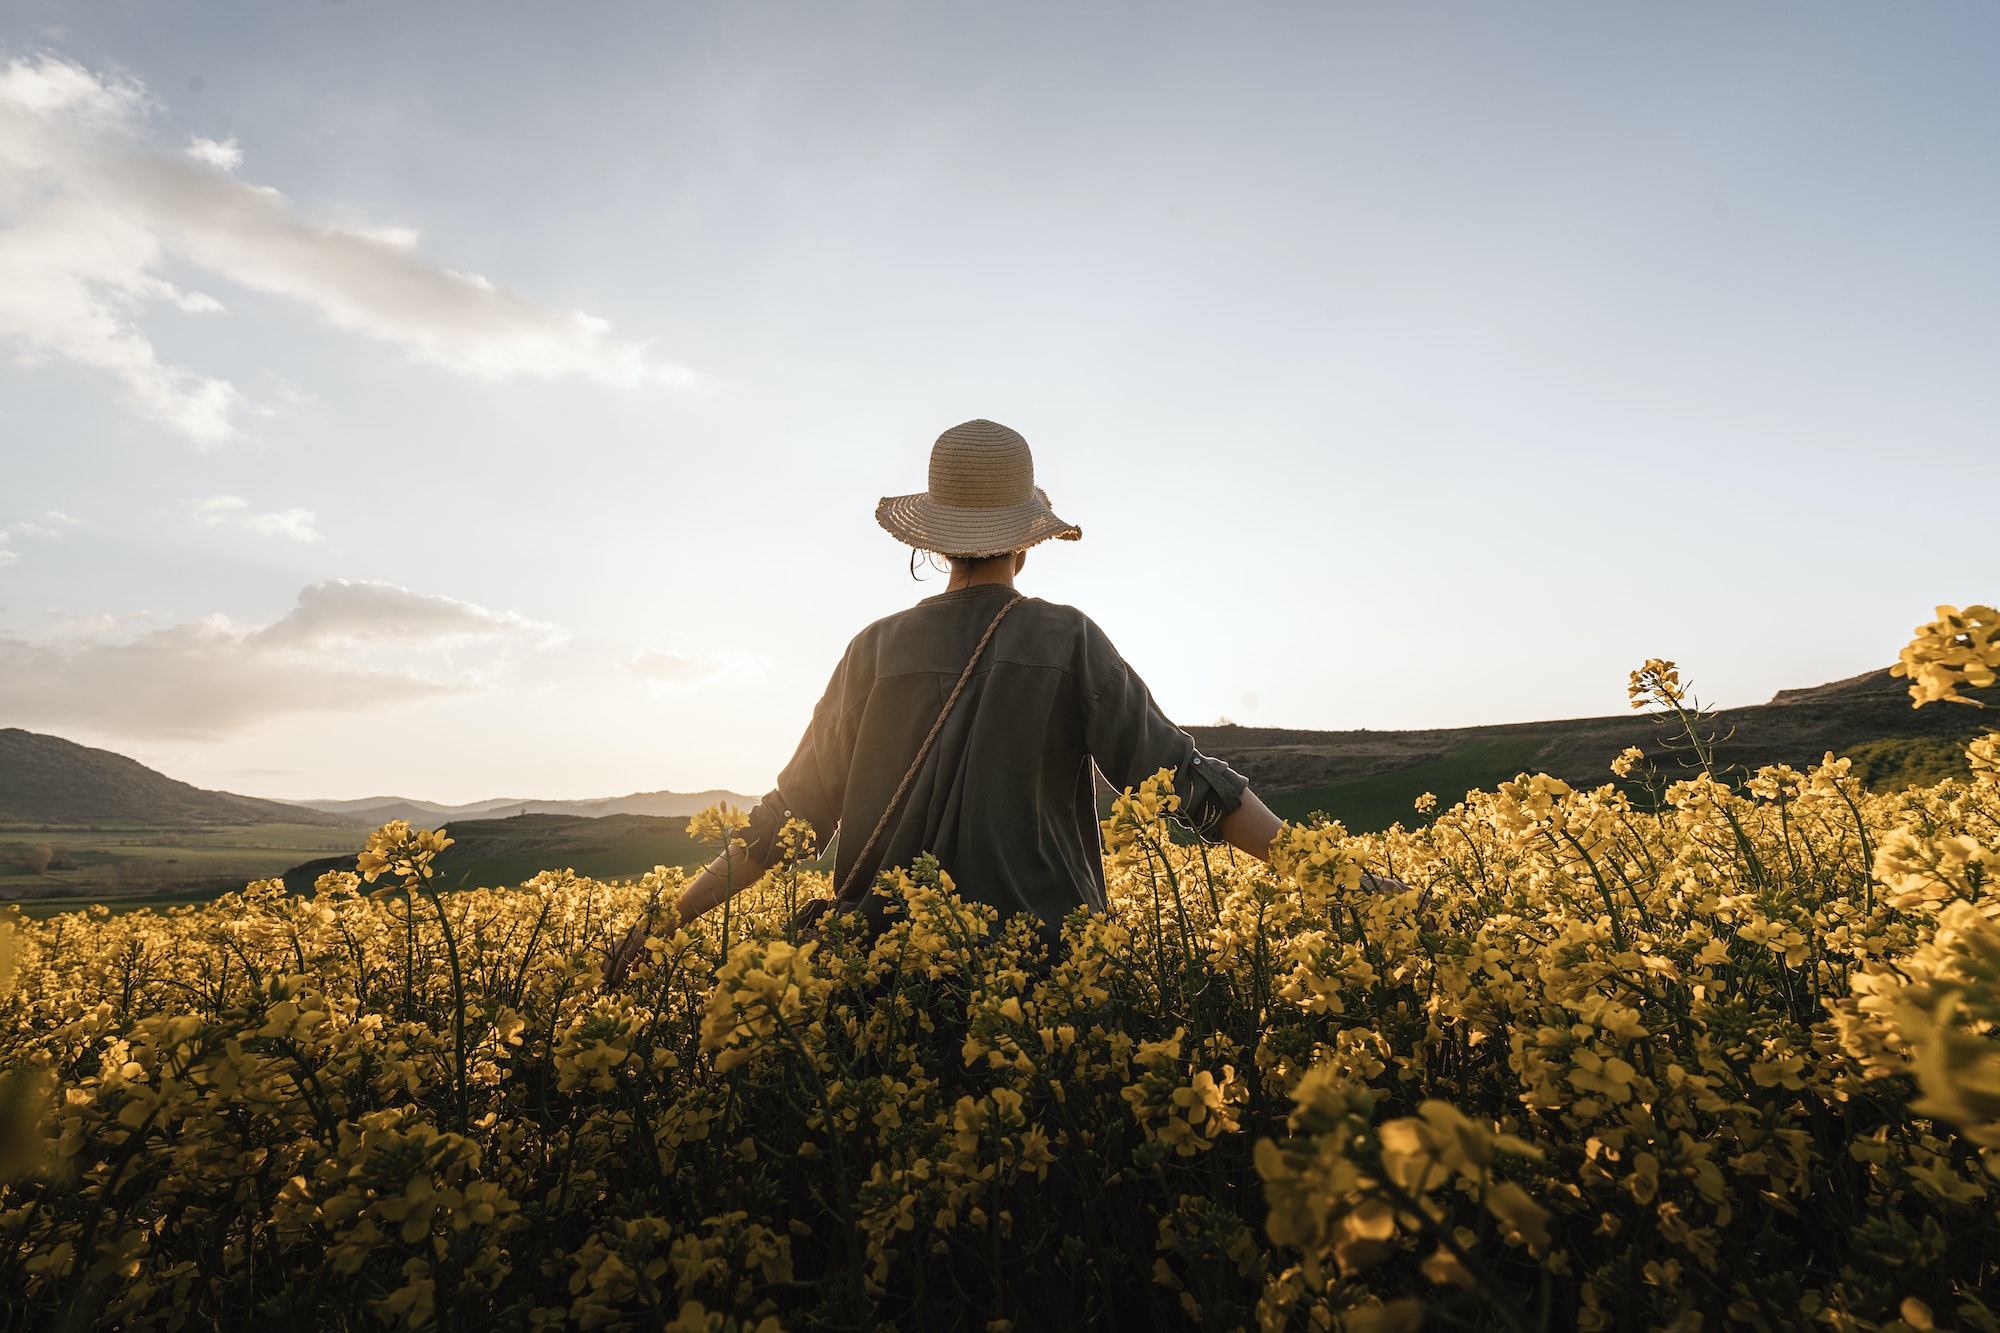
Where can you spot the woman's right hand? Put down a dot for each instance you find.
(619, 958)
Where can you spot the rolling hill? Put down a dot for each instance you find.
(46, 780)
(377, 810)
(1369, 778)
(49, 781)
(489, 852)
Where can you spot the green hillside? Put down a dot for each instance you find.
(1897, 762)
(494, 852)
(50, 871)
(1368, 805)
(1368, 779)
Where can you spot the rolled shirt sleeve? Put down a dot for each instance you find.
(1210, 792)
(811, 787)
(1130, 739)
(763, 840)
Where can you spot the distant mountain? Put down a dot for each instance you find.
(375, 810)
(48, 780)
(369, 804)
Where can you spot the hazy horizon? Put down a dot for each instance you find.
(452, 400)
(358, 801)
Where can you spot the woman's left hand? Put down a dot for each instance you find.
(620, 957)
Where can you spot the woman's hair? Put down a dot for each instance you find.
(944, 564)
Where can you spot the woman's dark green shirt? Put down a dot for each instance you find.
(1005, 799)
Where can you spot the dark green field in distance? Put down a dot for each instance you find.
(1368, 779)
(50, 870)
(489, 853)
(1371, 804)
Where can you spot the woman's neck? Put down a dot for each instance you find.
(999, 569)
(1002, 575)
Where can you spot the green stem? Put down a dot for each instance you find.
(457, 1006)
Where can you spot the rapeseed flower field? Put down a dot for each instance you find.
(1690, 1050)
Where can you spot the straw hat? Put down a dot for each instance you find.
(983, 499)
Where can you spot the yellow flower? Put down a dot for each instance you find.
(717, 822)
(397, 849)
(1661, 1004)
(1918, 870)
(1958, 648)
(1656, 684)
(1984, 757)
(1138, 815)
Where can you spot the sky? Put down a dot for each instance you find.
(462, 400)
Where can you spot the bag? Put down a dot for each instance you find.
(807, 921)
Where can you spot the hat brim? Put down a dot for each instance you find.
(919, 521)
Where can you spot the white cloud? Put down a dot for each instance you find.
(217, 509)
(287, 392)
(293, 523)
(223, 155)
(339, 612)
(93, 208)
(72, 626)
(209, 678)
(58, 516)
(402, 238)
(687, 671)
(23, 528)
(234, 511)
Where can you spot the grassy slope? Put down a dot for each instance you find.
(129, 866)
(1909, 761)
(490, 852)
(486, 852)
(1371, 804)
(40, 909)
(1797, 728)
(1368, 805)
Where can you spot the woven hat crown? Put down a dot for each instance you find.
(983, 500)
(981, 464)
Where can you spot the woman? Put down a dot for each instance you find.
(969, 725)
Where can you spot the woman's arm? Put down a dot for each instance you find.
(1250, 827)
(810, 789)
(724, 877)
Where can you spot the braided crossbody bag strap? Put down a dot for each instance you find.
(806, 922)
(846, 893)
